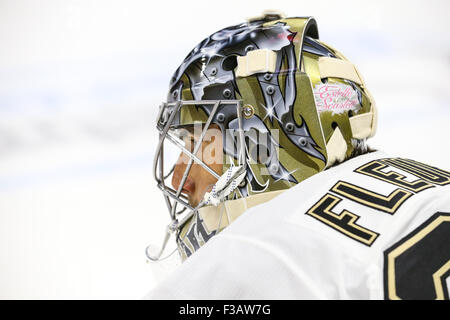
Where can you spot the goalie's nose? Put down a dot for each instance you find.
(189, 184)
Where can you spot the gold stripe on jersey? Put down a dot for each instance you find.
(428, 173)
(371, 199)
(345, 222)
(438, 278)
(373, 169)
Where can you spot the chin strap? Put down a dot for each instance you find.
(225, 185)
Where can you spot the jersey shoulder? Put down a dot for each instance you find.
(360, 230)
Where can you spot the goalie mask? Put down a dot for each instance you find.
(284, 105)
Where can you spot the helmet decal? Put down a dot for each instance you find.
(205, 63)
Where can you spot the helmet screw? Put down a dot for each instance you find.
(227, 93)
(220, 117)
(213, 71)
(242, 184)
(302, 141)
(268, 76)
(175, 94)
(270, 90)
(273, 168)
(248, 111)
(250, 47)
(290, 126)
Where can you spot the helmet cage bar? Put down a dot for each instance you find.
(166, 118)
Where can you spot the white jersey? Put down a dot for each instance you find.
(373, 227)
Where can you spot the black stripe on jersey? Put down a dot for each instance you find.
(389, 203)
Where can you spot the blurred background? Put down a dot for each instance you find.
(80, 83)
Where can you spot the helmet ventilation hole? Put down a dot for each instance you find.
(229, 63)
(334, 125)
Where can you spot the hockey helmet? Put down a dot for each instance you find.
(288, 106)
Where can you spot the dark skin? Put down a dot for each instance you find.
(199, 180)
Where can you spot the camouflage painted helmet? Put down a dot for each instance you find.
(273, 76)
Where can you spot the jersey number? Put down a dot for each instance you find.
(418, 266)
